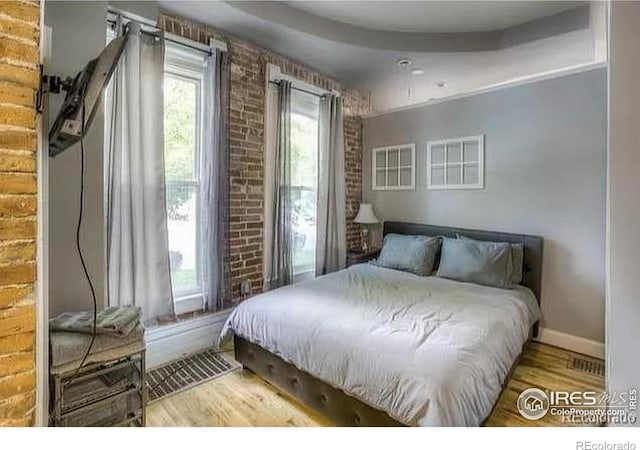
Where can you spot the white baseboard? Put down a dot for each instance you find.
(570, 342)
(171, 342)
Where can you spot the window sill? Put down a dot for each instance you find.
(188, 303)
(172, 340)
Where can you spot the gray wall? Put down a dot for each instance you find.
(79, 34)
(623, 300)
(545, 168)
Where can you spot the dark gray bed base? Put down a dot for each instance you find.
(335, 404)
(340, 408)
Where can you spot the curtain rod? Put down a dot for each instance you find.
(167, 37)
(277, 83)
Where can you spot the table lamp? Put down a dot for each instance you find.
(366, 217)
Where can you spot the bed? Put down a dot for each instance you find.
(371, 346)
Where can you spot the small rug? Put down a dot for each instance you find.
(188, 372)
(584, 364)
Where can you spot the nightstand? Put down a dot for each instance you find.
(355, 257)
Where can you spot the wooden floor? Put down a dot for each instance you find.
(544, 367)
(242, 399)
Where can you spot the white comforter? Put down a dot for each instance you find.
(428, 351)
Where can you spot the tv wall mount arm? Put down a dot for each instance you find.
(50, 84)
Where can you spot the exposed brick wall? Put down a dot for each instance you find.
(353, 175)
(19, 58)
(248, 84)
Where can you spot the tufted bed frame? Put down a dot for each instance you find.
(341, 408)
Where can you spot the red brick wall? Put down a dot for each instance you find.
(248, 71)
(19, 58)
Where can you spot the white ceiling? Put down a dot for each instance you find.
(433, 16)
(375, 69)
(466, 72)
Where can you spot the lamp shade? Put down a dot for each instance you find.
(365, 214)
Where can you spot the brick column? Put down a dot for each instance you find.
(19, 75)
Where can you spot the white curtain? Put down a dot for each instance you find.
(214, 194)
(331, 234)
(137, 236)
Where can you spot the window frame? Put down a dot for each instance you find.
(374, 168)
(189, 66)
(274, 74)
(301, 273)
(478, 140)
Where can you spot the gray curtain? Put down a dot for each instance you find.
(214, 195)
(331, 234)
(281, 268)
(271, 133)
(137, 236)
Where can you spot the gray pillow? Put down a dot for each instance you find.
(415, 254)
(517, 259)
(486, 263)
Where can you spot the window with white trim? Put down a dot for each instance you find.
(456, 163)
(183, 128)
(305, 110)
(304, 134)
(393, 167)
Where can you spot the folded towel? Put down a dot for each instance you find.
(69, 347)
(115, 320)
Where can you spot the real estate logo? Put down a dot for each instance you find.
(580, 407)
(533, 404)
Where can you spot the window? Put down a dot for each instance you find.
(393, 168)
(184, 72)
(305, 110)
(456, 163)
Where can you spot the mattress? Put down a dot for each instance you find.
(426, 350)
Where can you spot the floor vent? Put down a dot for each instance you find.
(188, 372)
(587, 365)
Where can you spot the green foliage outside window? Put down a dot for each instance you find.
(179, 142)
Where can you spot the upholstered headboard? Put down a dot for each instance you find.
(532, 272)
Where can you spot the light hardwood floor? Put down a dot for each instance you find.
(242, 399)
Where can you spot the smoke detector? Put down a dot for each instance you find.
(441, 84)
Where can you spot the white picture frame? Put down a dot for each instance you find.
(456, 163)
(393, 168)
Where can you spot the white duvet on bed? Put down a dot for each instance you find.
(428, 351)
